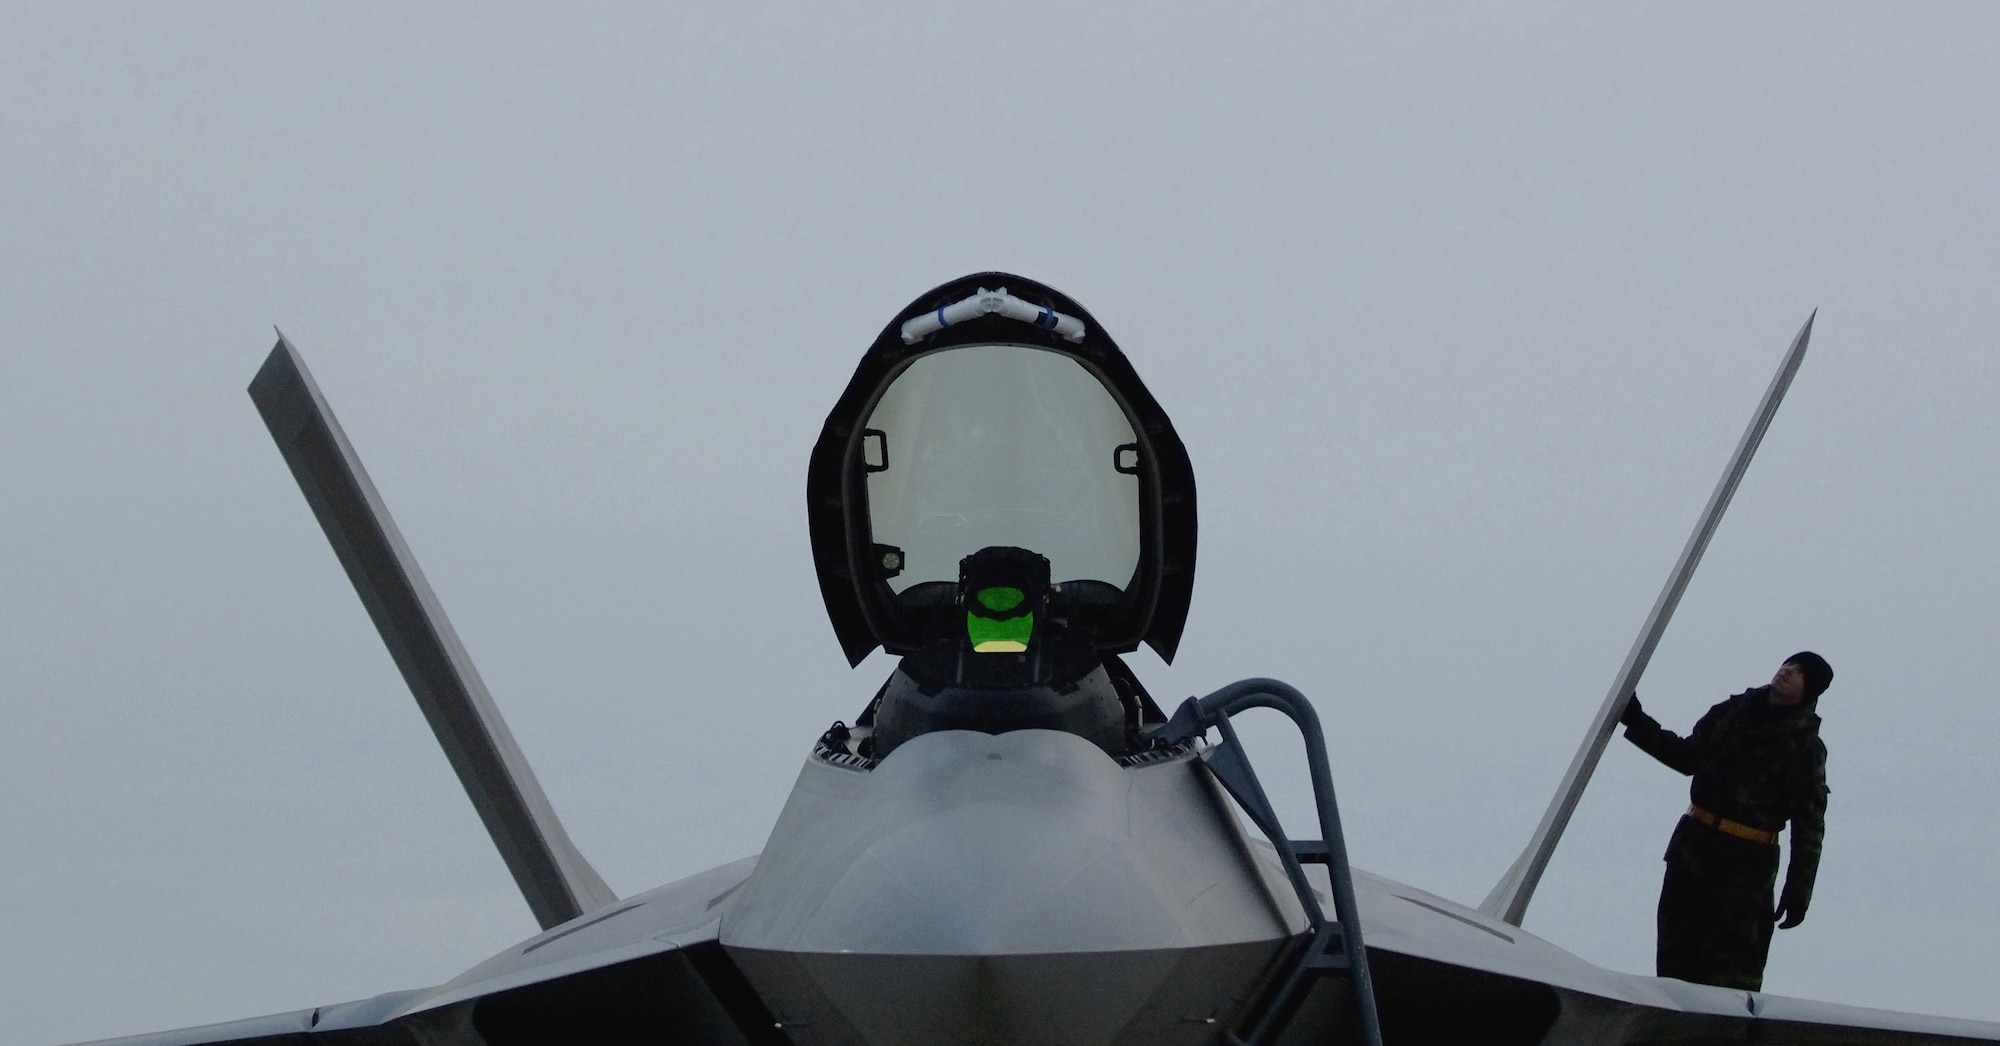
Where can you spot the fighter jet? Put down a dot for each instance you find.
(1012, 842)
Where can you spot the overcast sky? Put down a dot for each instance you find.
(1459, 312)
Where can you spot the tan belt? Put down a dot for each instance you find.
(1735, 828)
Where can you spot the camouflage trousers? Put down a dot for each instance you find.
(1716, 902)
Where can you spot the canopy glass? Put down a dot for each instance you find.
(1003, 445)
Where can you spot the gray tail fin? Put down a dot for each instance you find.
(1510, 896)
(557, 882)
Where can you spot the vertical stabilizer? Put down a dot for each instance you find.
(1509, 899)
(557, 882)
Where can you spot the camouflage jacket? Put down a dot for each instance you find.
(1756, 763)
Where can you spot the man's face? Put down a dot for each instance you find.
(1788, 687)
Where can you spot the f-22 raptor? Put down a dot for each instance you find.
(1012, 842)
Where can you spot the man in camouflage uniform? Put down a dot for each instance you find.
(1757, 763)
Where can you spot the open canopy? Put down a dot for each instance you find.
(993, 412)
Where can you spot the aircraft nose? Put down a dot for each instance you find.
(1021, 887)
(993, 878)
(965, 843)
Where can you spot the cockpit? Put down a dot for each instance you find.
(999, 500)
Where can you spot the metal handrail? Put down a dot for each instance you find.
(1230, 765)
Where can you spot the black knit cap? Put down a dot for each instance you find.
(1819, 674)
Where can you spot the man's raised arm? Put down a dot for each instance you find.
(1677, 752)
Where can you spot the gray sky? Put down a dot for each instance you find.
(1460, 313)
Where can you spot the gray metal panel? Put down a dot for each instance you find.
(279, 1027)
(670, 918)
(1168, 997)
(1588, 1020)
(554, 878)
(1027, 842)
(1510, 896)
(1601, 1006)
(299, 1026)
(682, 913)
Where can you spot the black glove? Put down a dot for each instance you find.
(1633, 714)
(1791, 909)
